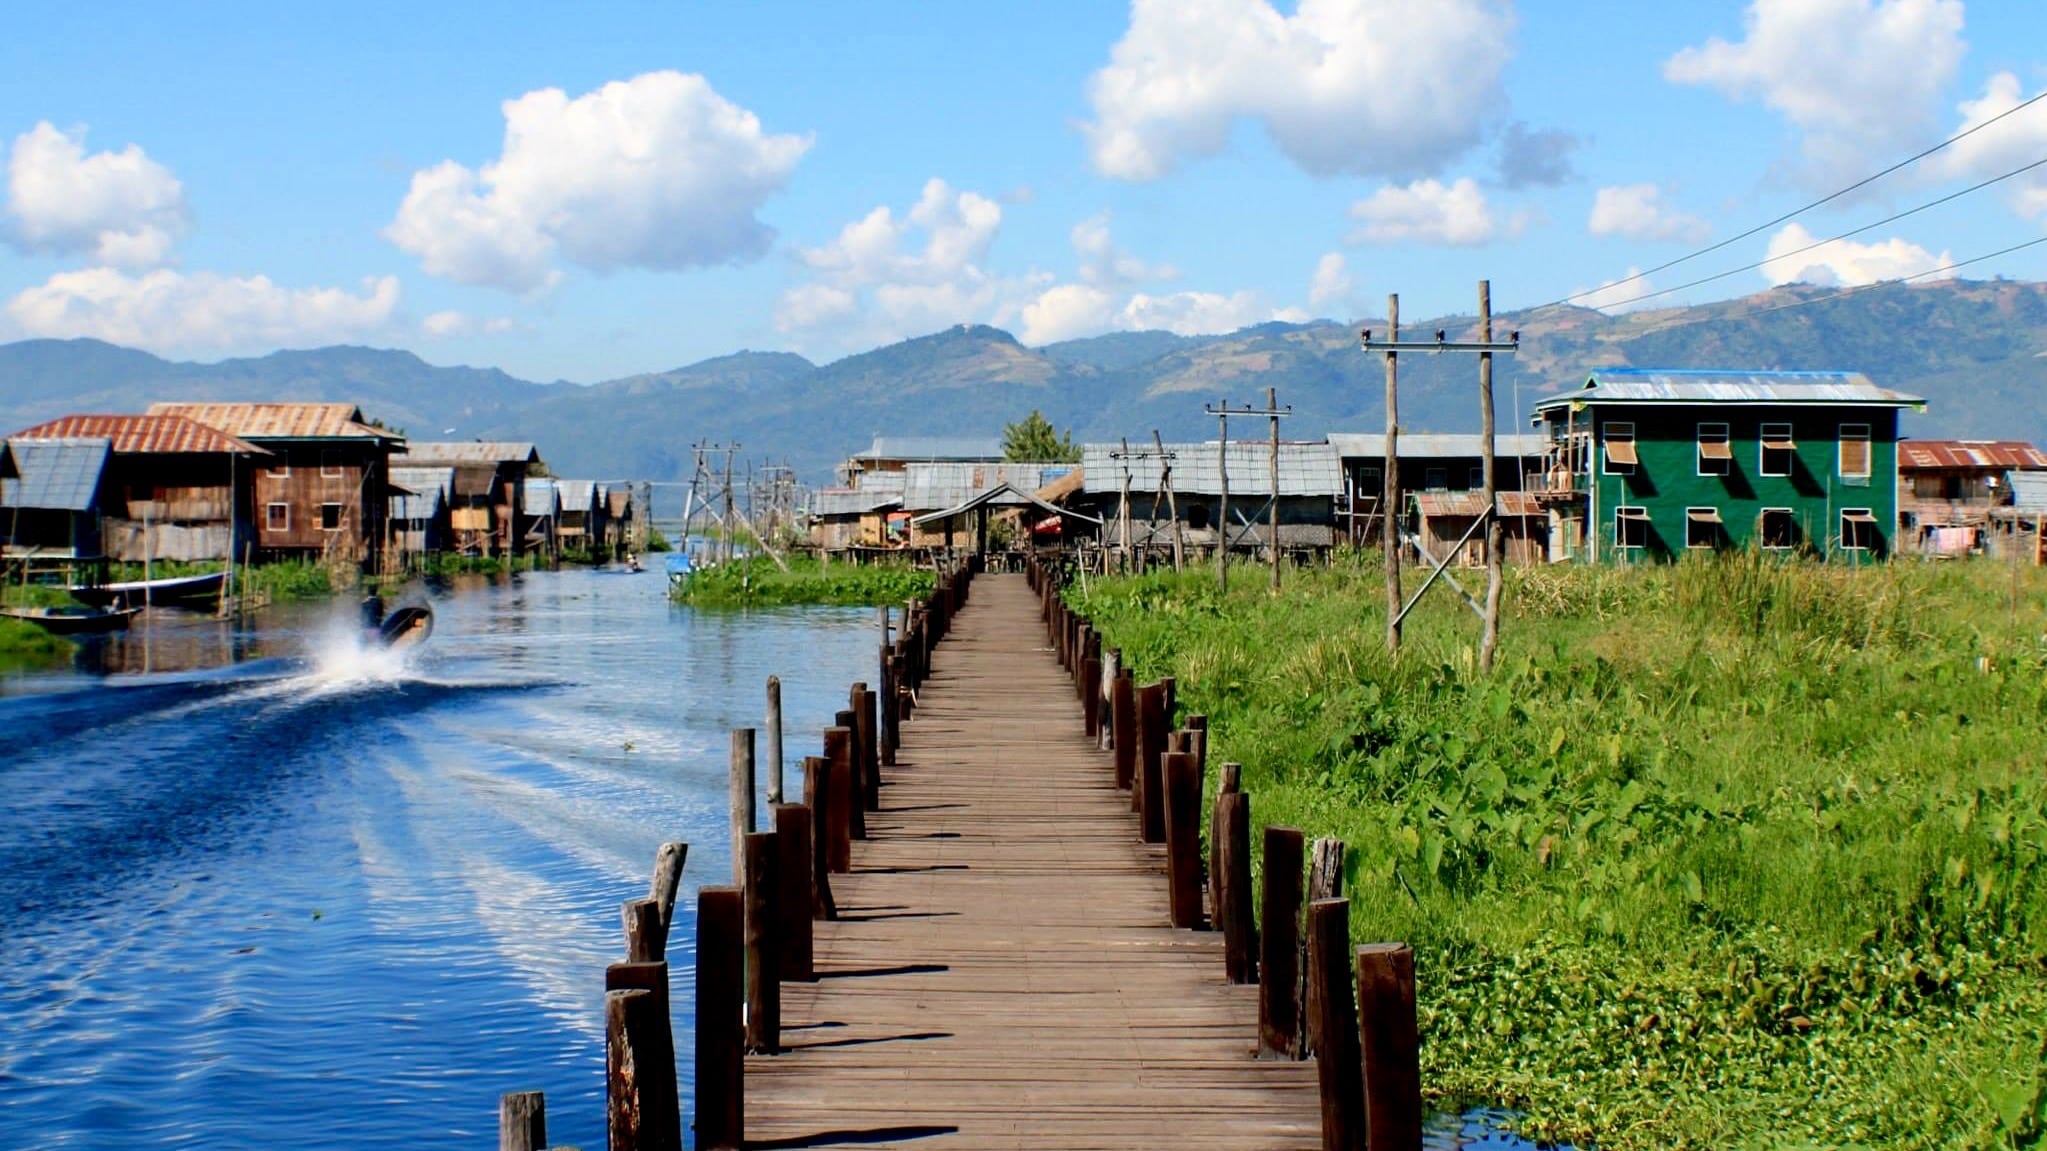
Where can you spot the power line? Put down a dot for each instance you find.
(1892, 218)
(1829, 198)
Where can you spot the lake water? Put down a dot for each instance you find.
(261, 889)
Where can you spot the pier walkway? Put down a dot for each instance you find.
(1002, 974)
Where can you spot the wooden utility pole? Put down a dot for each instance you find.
(1275, 413)
(1123, 513)
(1495, 542)
(1389, 500)
(1172, 505)
(1272, 405)
(1222, 521)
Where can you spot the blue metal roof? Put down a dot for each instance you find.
(1727, 386)
(63, 475)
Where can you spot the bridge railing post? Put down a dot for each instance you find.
(1279, 939)
(798, 892)
(1337, 1067)
(1391, 1046)
(1240, 930)
(720, 1032)
(1183, 839)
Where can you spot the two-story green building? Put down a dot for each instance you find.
(1648, 464)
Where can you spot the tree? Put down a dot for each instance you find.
(1033, 439)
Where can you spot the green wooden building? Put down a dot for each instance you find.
(1643, 464)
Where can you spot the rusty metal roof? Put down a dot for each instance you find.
(1727, 386)
(428, 452)
(1969, 454)
(932, 486)
(138, 435)
(297, 421)
(1465, 505)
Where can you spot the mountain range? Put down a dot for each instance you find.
(1976, 350)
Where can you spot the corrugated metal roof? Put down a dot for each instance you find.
(619, 502)
(934, 448)
(2029, 491)
(539, 496)
(1242, 535)
(893, 483)
(476, 479)
(423, 480)
(1304, 469)
(478, 452)
(60, 475)
(932, 486)
(577, 495)
(1666, 386)
(1913, 454)
(1465, 505)
(137, 435)
(1434, 445)
(1002, 495)
(850, 501)
(280, 421)
(417, 503)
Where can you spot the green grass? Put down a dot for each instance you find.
(759, 583)
(26, 645)
(1725, 854)
(288, 580)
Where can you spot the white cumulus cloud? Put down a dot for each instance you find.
(120, 208)
(1859, 79)
(1637, 211)
(1620, 295)
(1331, 283)
(1431, 212)
(170, 311)
(1844, 262)
(452, 323)
(658, 171)
(1375, 87)
(2010, 143)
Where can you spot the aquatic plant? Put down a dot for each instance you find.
(758, 582)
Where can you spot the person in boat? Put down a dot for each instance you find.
(372, 612)
(632, 562)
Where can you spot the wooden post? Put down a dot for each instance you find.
(740, 791)
(798, 894)
(763, 948)
(817, 796)
(1391, 1047)
(775, 738)
(839, 798)
(1091, 697)
(667, 881)
(1183, 839)
(1389, 503)
(1272, 405)
(651, 1093)
(1240, 930)
(1325, 881)
(1495, 536)
(721, 1035)
(1123, 727)
(646, 937)
(868, 743)
(856, 805)
(1232, 776)
(522, 1121)
(1151, 748)
(1279, 1018)
(1337, 1067)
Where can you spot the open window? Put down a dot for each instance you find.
(1630, 527)
(1716, 454)
(1197, 517)
(276, 517)
(1777, 529)
(1436, 479)
(1777, 450)
(330, 517)
(1477, 483)
(1855, 451)
(330, 464)
(1858, 530)
(1619, 441)
(1703, 528)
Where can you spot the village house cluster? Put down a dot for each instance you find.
(261, 482)
(1634, 465)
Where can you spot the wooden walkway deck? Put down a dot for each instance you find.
(1002, 974)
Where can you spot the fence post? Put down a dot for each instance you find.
(646, 937)
(740, 787)
(844, 804)
(798, 893)
(1091, 697)
(1336, 1061)
(721, 1035)
(763, 947)
(774, 739)
(1123, 727)
(817, 794)
(1183, 839)
(1391, 1047)
(1279, 1015)
(1151, 749)
(1325, 881)
(1240, 930)
(1231, 781)
(522, 1121)
(867, 740)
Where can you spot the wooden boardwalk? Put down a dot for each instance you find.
(1002, 973)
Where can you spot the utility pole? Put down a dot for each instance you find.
(1163, 493)
(1222, 521)
(1166, 485)
(1273, 411)
(1485, 347)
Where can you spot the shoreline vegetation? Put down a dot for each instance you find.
(758, 582)
(1729, 852)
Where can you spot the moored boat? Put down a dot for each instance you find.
(74, 620)
(170, 591)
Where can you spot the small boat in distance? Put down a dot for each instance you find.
(74, 620)
(170, 591)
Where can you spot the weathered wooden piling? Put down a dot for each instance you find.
(1390, 1043)
(740, 792)
(798, 892)
(641, 1098)
(1337, 1066)
(1231, 781)
(1279, 940)
(1091, 697)
(774, 722)
(522, 1121)
(817, 796)
(646, 937)
(1183, 839)
(1123, 728)
(763, 943)
(1151, 750)
(720, 1032)
(847, 747)
(840, 797)
(1325, 881)
(667, 881)
(1240, 930)
(866, 739)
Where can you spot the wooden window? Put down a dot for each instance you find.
(1630, 527)
(1371, 481)
(330, 464)
(1619, 439)
(280, 469)
(1716, 455)
(1777, 529)
(1703, 528)
(1478, 478)
(1436, 479)
(276, 517)
(1776, 451)
(330, 517)
(1854, 451)
(1858, 529)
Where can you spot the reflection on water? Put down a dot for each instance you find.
(260, 871)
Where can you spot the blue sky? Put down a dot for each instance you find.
(227, 179)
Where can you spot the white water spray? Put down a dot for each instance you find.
(344, 655)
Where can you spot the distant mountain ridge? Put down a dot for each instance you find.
(1977, 350)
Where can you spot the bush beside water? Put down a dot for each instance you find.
(758, 582)
(1726, 853)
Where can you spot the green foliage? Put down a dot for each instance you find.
(1033, 439)
(292, 580)
(656, 542)
(759, 583)
(24, 644)
(1726, 853)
